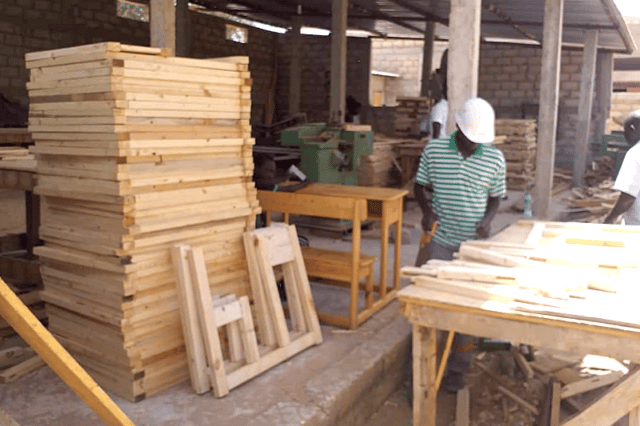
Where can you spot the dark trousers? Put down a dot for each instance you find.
(461, 353)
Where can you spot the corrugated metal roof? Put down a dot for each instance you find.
(505, 19)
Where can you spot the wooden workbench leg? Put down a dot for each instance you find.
(397, 249)
(432, 386)
(634, 417)
(419, 375)
(32, 207)
(384, 248)
(355, 272)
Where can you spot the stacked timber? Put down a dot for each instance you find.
(519, 148)
(137, 151)
(568, 270)
(408, 112)
(376, 168)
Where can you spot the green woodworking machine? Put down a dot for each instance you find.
(330, 154)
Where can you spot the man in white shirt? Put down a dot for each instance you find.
(628, 180)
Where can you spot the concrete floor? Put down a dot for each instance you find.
(340, 382)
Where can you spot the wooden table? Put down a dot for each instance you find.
(382, 204)
(21, 174)
(618, 337)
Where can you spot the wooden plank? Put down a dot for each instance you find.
(12, 374)
(207, 322)
(634, 417)
(248, 334)
(196, 356)
(527, 406)
(610, 407)
(14, 355)
(590, 384)
(462, 407)
(39, 338)
(271, 293)
(522, 363)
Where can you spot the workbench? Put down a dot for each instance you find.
(21, 175)
(604, 324)
(325, 200)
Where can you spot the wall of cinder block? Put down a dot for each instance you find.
(315, 66)
(33, 25)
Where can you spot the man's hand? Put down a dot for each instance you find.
(428, 221)
(483, 227)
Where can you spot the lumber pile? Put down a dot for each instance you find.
(408, 112)
(15, 136)
(519, 148)
(376, 168)
(8, 153)
(204, 314)
(569, 270)
(591, 204)
(33, 300)
(136, 152)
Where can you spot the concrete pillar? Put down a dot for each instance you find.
(548, 116)
(295, 68)
(464, 54)
(163, 24)
(584, 108)
(427, 57)
(183, 33)
(338, 61)
(604, 91)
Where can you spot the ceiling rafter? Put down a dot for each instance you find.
(416, 9)
(508, 20)
(386, 17)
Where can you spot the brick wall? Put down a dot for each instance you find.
(403, 57)
(509, 78)
(316, 65)
(32, 25)
(622, 104)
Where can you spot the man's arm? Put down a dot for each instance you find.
(436, 130)
(484, 226)
(624, 203)
(424, 197)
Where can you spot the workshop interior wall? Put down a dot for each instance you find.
(316, 65)
(34, 25)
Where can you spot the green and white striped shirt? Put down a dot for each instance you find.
(460, 186)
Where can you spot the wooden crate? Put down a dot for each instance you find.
(137, 151)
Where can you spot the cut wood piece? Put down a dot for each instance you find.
(196, 355)
(248, 333)
(526, 405)
(590, 384)
(15, 355)
(567, 375)
(12, 374)
(522, 363)
(207, 322)
(462, 407)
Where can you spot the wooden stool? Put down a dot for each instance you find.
(334, 268)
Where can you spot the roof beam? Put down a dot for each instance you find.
(389, 18)
(540, 24)
(507, 20)
(413, 8)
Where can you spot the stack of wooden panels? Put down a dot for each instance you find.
(519, 148)
(569, 270)
(408, 112)
(375, 168)
(136, 152)
(8, 153)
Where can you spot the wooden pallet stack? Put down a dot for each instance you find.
(519, 148)
(376, 168)
(137, 151)
(408, 112)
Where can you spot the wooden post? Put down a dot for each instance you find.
(427, 57)
(183, 33)
(464, 48)
(22, 320)
(584, 108)
(548, 116)
(295, 69)
(604, 91)
(338, 61)
(163, 24)
(419, 375)
(32, 207)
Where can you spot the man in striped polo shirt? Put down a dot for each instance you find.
(459, 184)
